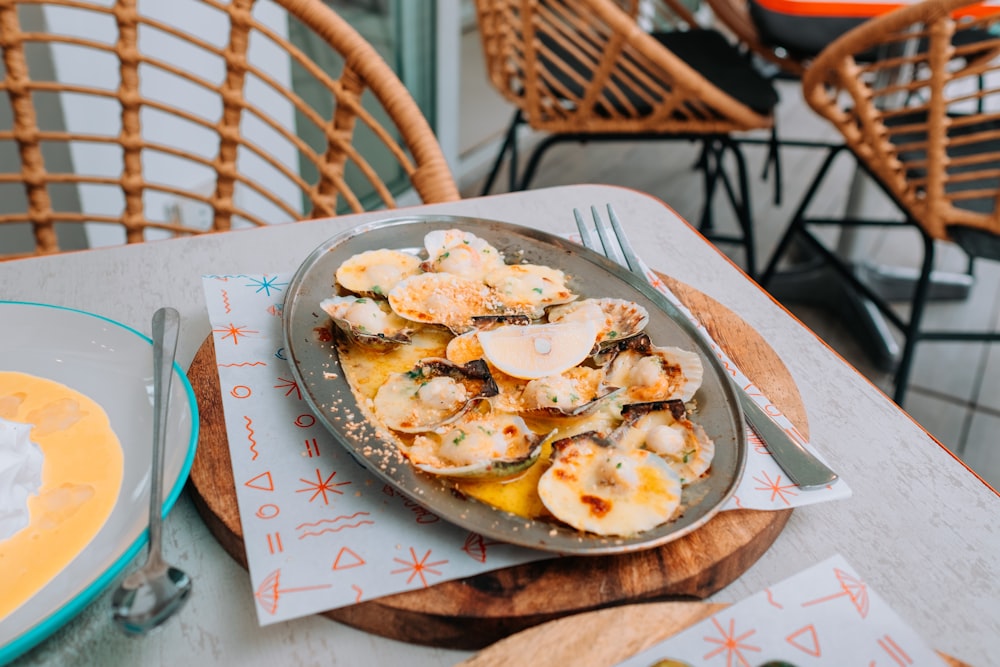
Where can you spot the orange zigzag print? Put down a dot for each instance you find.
(253, 443)
(242, 364)
(333, 520)
(225, 301)
(364, 522)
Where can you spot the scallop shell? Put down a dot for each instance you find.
(663, 428)
(530, 288)
(376, 272)
(599, 488)
(435, 392)
(651, 373)
(460, 253)
(477, 446)
(616, 319)
(576, 392)
(440, 298)
(366, 322)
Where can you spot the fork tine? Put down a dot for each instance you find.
(585, 236)
(631, 259)
(612, 250)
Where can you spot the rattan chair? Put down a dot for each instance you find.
(601, 70)
(924, 121)
(735, 16)
(265, 130)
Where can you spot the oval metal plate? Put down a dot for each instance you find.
(316, 368)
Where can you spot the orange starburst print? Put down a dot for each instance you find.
(419, 567)
(234, 332)
(289, 386)
(777, 489)
(321, 486)
(730, 645)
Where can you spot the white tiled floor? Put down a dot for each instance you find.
(955, 388)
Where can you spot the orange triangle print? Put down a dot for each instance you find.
(262, 481)
(805, 640)
(347, 559)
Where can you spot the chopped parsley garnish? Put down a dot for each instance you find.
(536, 289)
(458, 438)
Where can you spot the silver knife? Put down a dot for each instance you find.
(801, 466)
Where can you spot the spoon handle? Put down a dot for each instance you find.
(166, 326)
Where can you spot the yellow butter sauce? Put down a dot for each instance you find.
(367, 369)
(81, 479)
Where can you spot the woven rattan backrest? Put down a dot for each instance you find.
(591, 66)
(734, 15)
(924, 116)
(275, 131)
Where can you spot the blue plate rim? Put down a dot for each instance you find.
(48, 625)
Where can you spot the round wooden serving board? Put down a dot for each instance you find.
(474, 612)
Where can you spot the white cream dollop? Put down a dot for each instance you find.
(20, 475)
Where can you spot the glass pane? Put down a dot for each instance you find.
(403, 33)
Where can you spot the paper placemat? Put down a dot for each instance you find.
(320, 531)
(824, 616)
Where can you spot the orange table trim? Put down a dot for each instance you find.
(861, 9)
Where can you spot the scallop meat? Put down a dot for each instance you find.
(651, 373)
(376, 272)
(662, 427)
(444, 299)
(597, 487)
(494, 445)
(460, 253)
(431, 394)
(368, 321)
(530, 288)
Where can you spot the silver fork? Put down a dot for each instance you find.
(801, 466)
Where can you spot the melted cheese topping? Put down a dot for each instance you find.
(81, 478)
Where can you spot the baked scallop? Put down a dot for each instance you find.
(375, 272)
(599, 488)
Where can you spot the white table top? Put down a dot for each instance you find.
(920, 526)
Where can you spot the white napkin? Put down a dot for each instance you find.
(824, 616)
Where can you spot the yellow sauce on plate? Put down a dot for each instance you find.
(366, 370)
(81, 478)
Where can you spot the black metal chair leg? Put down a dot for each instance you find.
(745, 212)
(911, 333)
(774, 157)
(536, 158)
(509, 145)
(796, 223)
(741, 203)
(711, 168)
